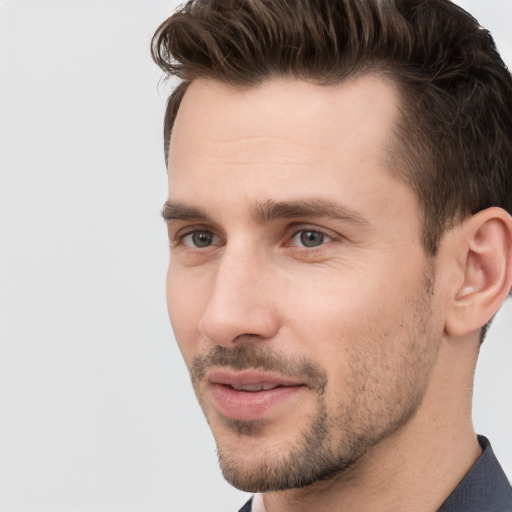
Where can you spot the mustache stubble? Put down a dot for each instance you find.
(255, 357)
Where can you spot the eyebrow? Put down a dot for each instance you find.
(316, 208)
(272, 210)
(176, 210)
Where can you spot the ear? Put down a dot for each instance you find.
(484, 247)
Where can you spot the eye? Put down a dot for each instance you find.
(310, 238)
(200, 239)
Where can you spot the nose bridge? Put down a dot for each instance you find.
(240, 303)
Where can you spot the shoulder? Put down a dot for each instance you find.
(485, 488)
(246, 507)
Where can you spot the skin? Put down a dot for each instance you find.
(331, 290)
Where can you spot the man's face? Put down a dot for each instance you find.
(298, 290)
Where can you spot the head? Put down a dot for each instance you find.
(454, 135)
(320, 159)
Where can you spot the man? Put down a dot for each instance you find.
(340, 190)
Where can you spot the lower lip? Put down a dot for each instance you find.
(247, 405)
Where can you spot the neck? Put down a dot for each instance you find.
(415, 468)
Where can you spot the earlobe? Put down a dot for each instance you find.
(485, 244)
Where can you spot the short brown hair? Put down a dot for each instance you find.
(454, 137)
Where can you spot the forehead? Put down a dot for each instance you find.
(280, 138)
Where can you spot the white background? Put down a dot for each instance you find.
(96, 411)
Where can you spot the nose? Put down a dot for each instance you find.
(241, 306)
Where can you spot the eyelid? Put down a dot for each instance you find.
(182, 229)
(177, 237)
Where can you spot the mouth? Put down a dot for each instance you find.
(250, 395)
(252, 388)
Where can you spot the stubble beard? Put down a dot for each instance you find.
(320, 453)
(333, 442)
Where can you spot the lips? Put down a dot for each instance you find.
(251, 395)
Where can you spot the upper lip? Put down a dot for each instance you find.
(250, 380)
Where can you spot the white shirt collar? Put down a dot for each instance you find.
(257, 503)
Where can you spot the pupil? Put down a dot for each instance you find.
(311, 238)
(202, 238)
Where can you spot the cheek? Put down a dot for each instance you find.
(184, 305)
(173, 304)
(367, 314)
(340, 303)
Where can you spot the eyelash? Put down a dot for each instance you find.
(178, 238)
(192, 233)
(325, 238)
